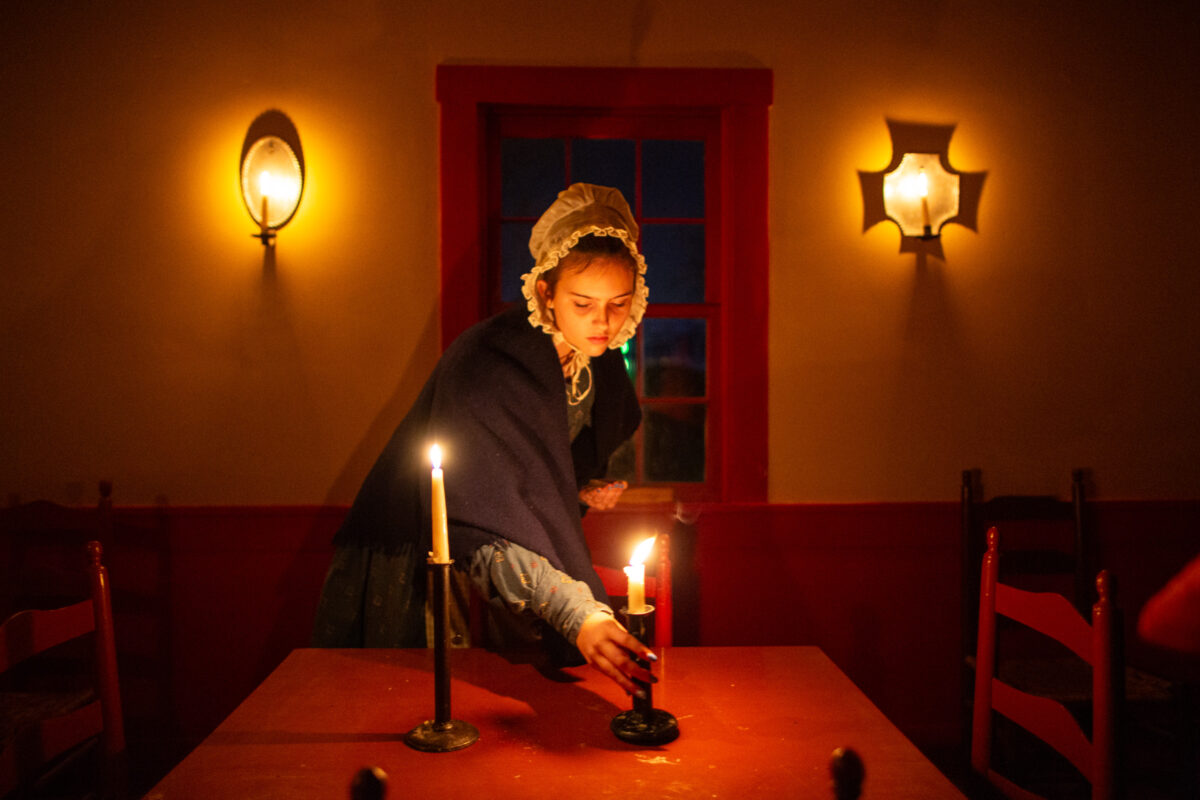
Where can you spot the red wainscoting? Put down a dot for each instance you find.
(874, 585)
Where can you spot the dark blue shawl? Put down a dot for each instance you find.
(496, 403)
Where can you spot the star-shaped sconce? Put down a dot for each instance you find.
(919, 190)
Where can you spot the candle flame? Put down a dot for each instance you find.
(435, 455)
(642, 551)
(915, 185)
(266, 185)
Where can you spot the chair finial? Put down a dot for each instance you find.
(847, 771)
(95, 551)
(370, 783)
(993, 539)
(1106, 585)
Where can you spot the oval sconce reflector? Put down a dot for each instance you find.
(271, 170)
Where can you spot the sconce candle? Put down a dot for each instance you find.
(264, 188)
(441, 536)
(923, 185)
(636, 575)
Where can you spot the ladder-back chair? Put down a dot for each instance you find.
(1095, 643)
(53, 729)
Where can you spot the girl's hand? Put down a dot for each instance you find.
(602, 495)
(609, 648)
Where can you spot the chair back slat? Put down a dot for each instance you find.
(27, 633)
(1009, 789)
(39, 743)
(1050, 719)
(1047, 613)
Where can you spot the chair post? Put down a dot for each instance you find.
(1084, 556)
(985, 658)
(968, 603)
(966, 534)
(666, 615)
(1105, 661)
(106, 656)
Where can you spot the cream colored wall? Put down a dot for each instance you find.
(142, 342)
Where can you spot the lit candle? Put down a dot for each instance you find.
(441, 537)
(636, 573)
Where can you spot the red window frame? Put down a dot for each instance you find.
(469, 95)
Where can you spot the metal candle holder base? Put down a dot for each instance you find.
(644, 724)
(441, 734)
(441, 737)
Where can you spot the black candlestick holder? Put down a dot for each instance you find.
(644, 724)
(441, 734)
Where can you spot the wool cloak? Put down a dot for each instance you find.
(496, 404)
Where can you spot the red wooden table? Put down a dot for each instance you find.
(754, 721)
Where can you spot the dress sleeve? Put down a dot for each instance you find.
(528, 584)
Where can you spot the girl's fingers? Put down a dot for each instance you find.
(618, 657)
(612, 671)
(611, 649)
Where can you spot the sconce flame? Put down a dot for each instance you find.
(435, 456)
(915, 185)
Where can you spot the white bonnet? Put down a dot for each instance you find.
(582, 209)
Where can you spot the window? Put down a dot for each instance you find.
(534, 156)
(688, 150)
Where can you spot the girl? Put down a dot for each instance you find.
(528, 407)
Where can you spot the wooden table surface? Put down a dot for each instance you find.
(754, 721)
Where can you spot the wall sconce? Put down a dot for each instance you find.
(271, 173)
(919, 190)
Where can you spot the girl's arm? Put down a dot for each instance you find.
(528, 583)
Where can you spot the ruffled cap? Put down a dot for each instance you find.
(579, 207)
(583, 209)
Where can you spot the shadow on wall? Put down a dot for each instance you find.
(934, 372)
(371, 444)
(306, 570)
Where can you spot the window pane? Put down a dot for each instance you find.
(674, 262)
(515, 259)
(672, 178)
(675, 363)
(607, 162)
(674, 437)
(533, 173)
